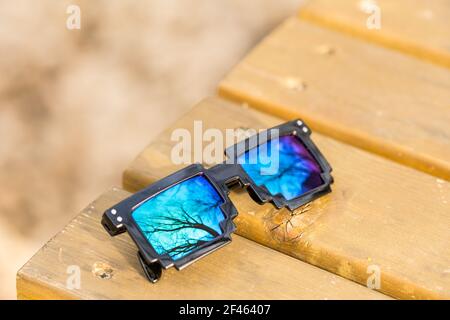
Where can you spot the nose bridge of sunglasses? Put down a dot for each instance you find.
(232, 175)
(229, 175)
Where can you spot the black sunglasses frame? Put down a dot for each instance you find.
(222, 177)
(260, 194)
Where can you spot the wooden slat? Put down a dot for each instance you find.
(359, 93)
(241, 270)
(379, 213)
(416, 27)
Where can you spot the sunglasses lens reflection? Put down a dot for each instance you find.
(182, 218)
(284, 166)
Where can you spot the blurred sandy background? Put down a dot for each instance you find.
(77, 105)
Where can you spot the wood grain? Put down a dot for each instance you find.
(373, 98)
(379, 214)
(110, 270)
(415, 27)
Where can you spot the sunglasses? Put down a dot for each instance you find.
(187, 215)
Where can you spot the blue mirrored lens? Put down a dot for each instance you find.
(284, 166)
(181, 218)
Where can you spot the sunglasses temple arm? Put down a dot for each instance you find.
(152, 271)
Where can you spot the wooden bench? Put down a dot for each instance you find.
(109, 269)
(371, 97)
(413, 27)
(378, 102)
(378, 213)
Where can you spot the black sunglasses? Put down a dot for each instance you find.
(188, 214)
